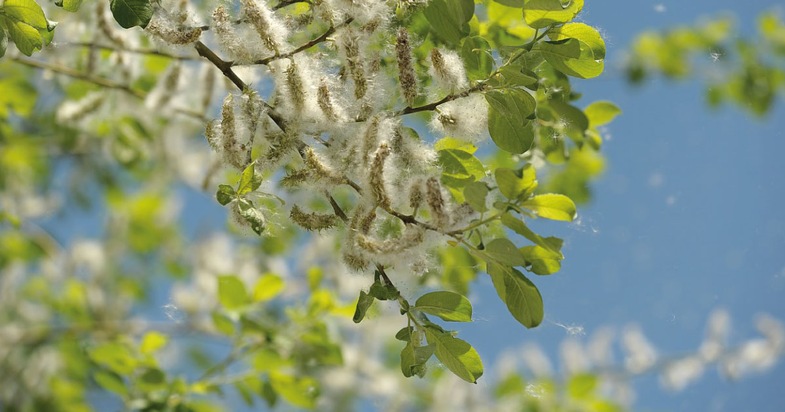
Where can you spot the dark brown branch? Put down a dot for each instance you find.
(224, 66)
(305, 46)
(434, 105)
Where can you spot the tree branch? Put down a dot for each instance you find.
(100, 81)
(149, 52)
(305, 46)
(432, 106)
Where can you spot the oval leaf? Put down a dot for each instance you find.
(231, 292)
(552, 206)
(456, 354)
(522, 298)
(131, 13)
(504, 252)
(601, 112)
(543, 13)
(508, 122)
(363, 303)
(449, 306)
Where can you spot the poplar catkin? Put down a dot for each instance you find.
(406, 74)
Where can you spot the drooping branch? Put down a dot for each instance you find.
(99, 81)
(148, 52)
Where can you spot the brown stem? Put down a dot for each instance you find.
(305, 46)
(434, 105)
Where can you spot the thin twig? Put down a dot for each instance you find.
(100, 81)
(305, 46)
(149, 52)
(432, 106)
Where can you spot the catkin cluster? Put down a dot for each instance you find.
(330, 112)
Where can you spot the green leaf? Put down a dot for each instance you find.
(503, 251)
(522, 298)
(512, 3)
(456, 354)
(475, 194)
(448, 142)
(408, 364)
(582, 385)
(25, 11)
(460, 164)
(572, 58)
(588, 36)
(573, 119)
(601, 112)
(363, 303)
(152, 342)
(543, 13)
(72, 5)
(542, 261)
(222, 323)
(267, 359)
(26, 37)
(114, 356)
(269, 395)
(515, 185)
(508, 122)
(384, 292)
(297, 390)
(477, 58)
(151, 379)
(405, 334)
(459, 168)
(413, 359)
(517, 76)
(449, 18)
(449, 306)
(250, 180)
(110, 381)
(231, 292)
(225, 194)
(519, 227)
(251, 215)
(131, 13)
(552, 206)
(267, 287)
(3, 40)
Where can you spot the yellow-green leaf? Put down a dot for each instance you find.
(552, 206)
(267, 287)
(543, 13)
(152, 342)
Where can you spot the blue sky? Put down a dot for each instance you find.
(686, 219)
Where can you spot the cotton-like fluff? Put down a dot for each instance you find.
(297, 83)
(465, 118)
(270, 29)
(447, 71)
(234, 39)
(166, 28)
